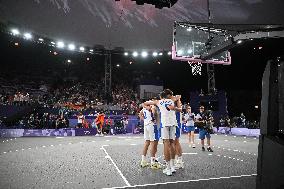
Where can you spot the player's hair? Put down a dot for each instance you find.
(162, 95)
(168, 92)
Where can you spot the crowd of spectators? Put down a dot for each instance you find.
(68, 99)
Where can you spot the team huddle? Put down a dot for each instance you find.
(163, 119)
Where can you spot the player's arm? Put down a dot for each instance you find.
(141, 116)
(150, 102)
(178, 108)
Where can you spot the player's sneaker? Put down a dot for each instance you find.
(193, 145)
(144, 164)
(156, 166)
(209, 149)
(203, 149)
(167, 172)
(179, 165)
(173, 169)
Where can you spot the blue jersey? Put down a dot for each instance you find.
(179, 119)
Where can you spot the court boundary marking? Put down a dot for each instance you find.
(183, 181)
(116, 167)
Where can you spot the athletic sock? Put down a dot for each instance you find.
(172, 161)
(168, 165)
(143, 158)
(180, 159)
(153, 160)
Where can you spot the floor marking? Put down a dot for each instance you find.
(93, 141)
(189, 153)
(120, 173)
(133, 144)
(107, 140)
(183, 181)
(59, 137)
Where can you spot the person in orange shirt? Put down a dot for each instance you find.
(100, 122)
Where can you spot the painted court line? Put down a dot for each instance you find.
(185, 181)
(189, 153)
(120, 173)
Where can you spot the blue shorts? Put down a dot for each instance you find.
(178, 132)
(157, 133)
(188, 129)
(203, 133)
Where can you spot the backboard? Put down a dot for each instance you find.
(193, 42)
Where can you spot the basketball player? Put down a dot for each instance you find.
(201, 120)
(189, 123)
(150, 135)
(178, 150)
(168, 124)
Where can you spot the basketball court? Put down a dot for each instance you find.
(114, 162)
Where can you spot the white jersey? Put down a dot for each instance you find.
(189, 118)
(167, 116)
(148, 119)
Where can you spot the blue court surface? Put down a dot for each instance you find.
(113, 162)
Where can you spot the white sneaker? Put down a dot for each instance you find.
(167, 172)
(173, 170)
(179, 165)
(193, 145)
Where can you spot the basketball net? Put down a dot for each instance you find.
(196, 67)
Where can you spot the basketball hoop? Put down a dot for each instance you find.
(196, 67)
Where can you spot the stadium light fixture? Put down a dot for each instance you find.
(117, 65)
(91, 50)
(239, 41)
(169, 53)
(160, 54)
(60, 44)
(144, 54)
(69, 61)
(71, 47)
(155, 54)
(126, 54)
(15, 31)
(28, 36)
(41, 39)
(135, 54)
(81, 48)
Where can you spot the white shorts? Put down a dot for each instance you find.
(168, 132)
(151, 132)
